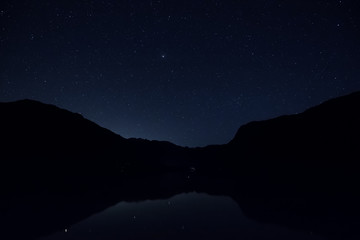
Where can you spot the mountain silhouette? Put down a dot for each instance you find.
(282, 170)
(317, 150)
(46, 145)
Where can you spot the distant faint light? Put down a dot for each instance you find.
(66, 230)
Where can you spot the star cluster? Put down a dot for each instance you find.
(189, 72)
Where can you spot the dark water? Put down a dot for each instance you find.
(175, 206)
(184, 216)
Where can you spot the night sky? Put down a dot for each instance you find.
(189, 72)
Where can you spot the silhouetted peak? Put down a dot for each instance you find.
(337, 112)
(27, 102)
(344, 103)
(37, 107)
(34, 116)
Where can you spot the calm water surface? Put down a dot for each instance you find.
(184, 216)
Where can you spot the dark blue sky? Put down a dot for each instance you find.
(190, 72)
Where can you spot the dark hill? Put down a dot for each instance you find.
(58, 168)
(43, 144)
(317, 150)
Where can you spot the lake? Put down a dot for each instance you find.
(183, 216)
